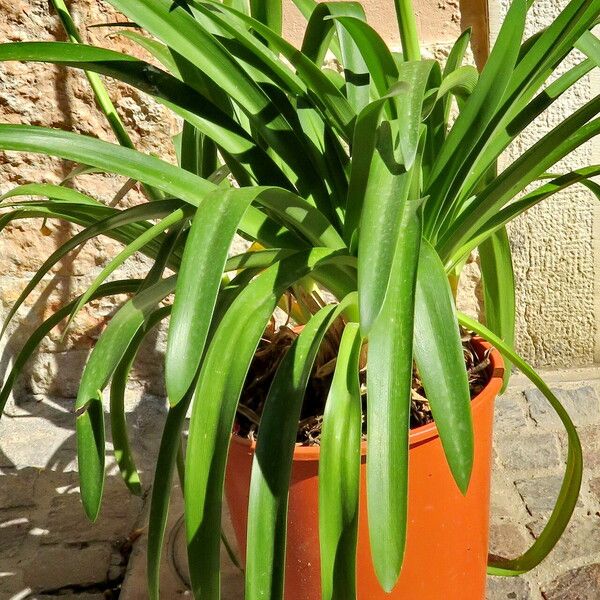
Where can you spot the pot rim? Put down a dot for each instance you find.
(421, 434)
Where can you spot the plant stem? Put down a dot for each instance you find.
(408, 30)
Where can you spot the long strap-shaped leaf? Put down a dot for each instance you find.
(131, 215)
(176, 95)
(498, 281)
(86, 216)
(326, 96)
(103, 360)
(363, 150)
(268, 12)
(569, 490)
(100, 92)
(118, 424)
(339, 472)
(108, 289)
(152, 233)
(316, 42)
(407, 24)
(566, 137)
(384, 181)
(118, 384)
(377, 57)
(168, 454)
(514, 209)
(179, 30)
(49, 190)
(439, 356)
(389, 382)
(538, 62)
(135, 165)
(478, 111)
(510, 128)
(214, 226)
(215, 401)
(272, 464)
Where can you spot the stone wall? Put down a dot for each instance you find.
(45, 95)
(557, 312)
(556, 245)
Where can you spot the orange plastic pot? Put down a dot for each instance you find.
(447, 537)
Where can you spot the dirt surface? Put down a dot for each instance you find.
(272, 349)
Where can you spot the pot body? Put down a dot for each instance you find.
(447, 536)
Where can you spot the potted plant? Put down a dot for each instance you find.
(362, 186)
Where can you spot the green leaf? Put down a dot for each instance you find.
(169, 451)
(131, 215)
(571, 133)
(409, 106)
(389, 380)
(33, 341)
(211, 234)
(106, 156)
(181, 32)
(104, 359)
(498, 281)
(272, 463)
(571, 484)
(407, 24)
(58, 192)
(161, 493)
(479, 110)
(100, 92)
(383, 187)
(362, 184)
(537, 61)
(380, 63)
(118, 424)
(327, 97)
(141, 167)
(215, 400)
(268, 12)
(153, 232)
(454, 61)
(589, 44)
(166, 89)
(339, 472)
(439, 356)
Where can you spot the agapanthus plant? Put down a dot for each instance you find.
(371, 184)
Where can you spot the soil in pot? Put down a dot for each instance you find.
(272, 348)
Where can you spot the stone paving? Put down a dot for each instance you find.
(530, 448)
(48, 550)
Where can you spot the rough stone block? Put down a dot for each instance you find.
(510, 413)
(580, 540)
(582, 404)
(505, 500)
(59, 566)
(14, 529)
(508, 588)
(533, 451)
(590, 445)
(595, 488)
(540, 493)
(117, 516)
(577, 584)
(17, 488)
(507, 539)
